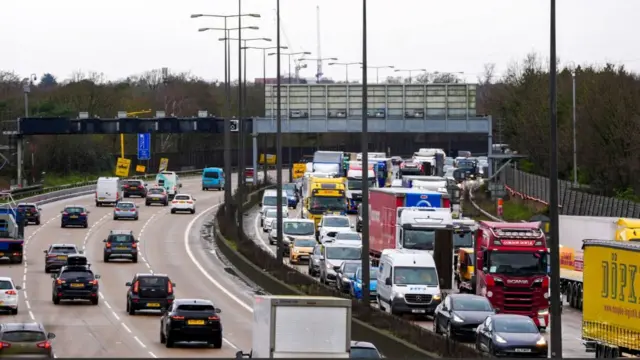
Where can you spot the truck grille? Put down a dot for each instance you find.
(518, 298)
(417, 298)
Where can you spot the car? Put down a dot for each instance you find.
(356, 284)
(332, 224)
(351, 237)
(56, 255)
(511, 336)
(212, 178)
(333, 255)
(75, 281)
(74, 215)
(26, 340)
(150, 292)
(9, 297)
(314, 261)
(460, 314)
(359, 219)
(345, 273)
(191, 320)
(157, 195)
(269, 219)
(364, 350)
(183, 202)
(120, 244)
(300, 250)
(125, 210)
(292, 186)
(292, 198)
(273, 236)
(31, 212)
(134, 187)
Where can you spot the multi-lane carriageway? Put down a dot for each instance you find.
(571, 319)
(169, 244)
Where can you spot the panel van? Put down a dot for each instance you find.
(109, 190)
(270, 201)
(170, 182)
(212, 178)
(408, 282)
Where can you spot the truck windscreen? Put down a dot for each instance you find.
(419, 239)
(462, 239)
(356, 184)
(327, 203)
(518, 263)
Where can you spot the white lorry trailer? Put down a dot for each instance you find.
(300, 327)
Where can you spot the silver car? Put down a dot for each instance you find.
(125, 210)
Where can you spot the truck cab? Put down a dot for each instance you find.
(511, 269)
(417, 228)
(355, 183)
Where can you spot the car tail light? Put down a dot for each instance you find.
(65, 213)
(83, 214)
(108, 245)
(190, 202)
(10, 292)
(134, 245)
(126, 186)
(214, 318)
(174, 202)
(136, 287)
(170, 288)
(117, 196)
(133, 210)
(177, 317)
(446, 203)
(4, 345)
(60, 282)
(44, 345)
(490, 280)
(96, 194)
(93, 282)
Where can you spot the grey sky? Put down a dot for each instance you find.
(123, 37)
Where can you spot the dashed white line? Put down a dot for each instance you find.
(25, 294)
(140, 342)
(126, 327)
(106, 304)
(101, 296)
(115, 315)
(27, 303)
(31, 315)
(152, 354)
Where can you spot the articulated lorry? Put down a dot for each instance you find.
(329, 162)
(611, 310)
(12, 224)
(300, 327)
(355, 179)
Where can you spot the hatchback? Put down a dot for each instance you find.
(9, 295)
(25, 339)
(125, 210)
(75, 215)
(157, 195)
(134, 188)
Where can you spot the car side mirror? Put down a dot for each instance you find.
(39, 209)
(18, 287)
(128, 284)
(260, 204)
(387, 281)
(137, 241)
(104, 241)
(194, 199)
(80, 252)
(97, 276)
(218, 310)
(88, 212)
(352, 226)
(484, 269)
(180, 185)
(51, 336)
(173, 284)
(45, 251)
(61, 211)
(321, 257)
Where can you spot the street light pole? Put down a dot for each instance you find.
(279, 250)
(366, 295)
(575, 144)
(346, 67)
(410, 71)
(378, 71)
(240, 191)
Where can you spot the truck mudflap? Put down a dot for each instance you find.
(542, 321)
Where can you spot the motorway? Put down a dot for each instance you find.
(169, 244)
(571, 319)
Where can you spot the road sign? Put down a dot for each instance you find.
(144, 146)
(164, 164)
(234, 125)
(141, 168)
(298, 170)
(122, 167)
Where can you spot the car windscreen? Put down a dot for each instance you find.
(156, 191)
(348, 236)
(133, 182)
(471, 303)
(289, 186)
(211, 175)
(124, 205)
(64, 250)
(344, 253)
(5, 285)
(271, 213)
(121, 238)
(23, 336)
(74, 210)
(290, 192)
(153, 281)
(415, 276)
(299, 228)
(373, 273)
(364, 353)
(514, 325)
(76, 274)
(272, 201)
(350, 268)
(304, 243)
(27, 207)
(182, 197)
(196, 307)
(335, 222)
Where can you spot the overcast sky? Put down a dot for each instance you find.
(123, 37)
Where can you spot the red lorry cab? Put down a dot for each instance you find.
(511, 269)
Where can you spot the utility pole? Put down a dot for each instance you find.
(575, 144)
(366, 275)
(279, 242)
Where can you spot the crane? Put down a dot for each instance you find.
(298, 65)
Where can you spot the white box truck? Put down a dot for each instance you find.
(301, 327)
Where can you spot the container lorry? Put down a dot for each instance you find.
(11, 231)
(300, 327)
(329, 162)
(354, 184)
(610, 312)
(511, 269)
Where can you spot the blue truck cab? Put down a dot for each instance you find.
(212, 178)
(11, 232)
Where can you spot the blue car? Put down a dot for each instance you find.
(212, 178)
(74, 215)
(292, 198)
(356, 283)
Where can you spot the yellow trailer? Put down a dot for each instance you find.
(611, 308)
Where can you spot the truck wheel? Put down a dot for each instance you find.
(579, 297)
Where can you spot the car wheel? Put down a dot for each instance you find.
(436, 329)
(166, 203)
(450, 333)
(131, 309)
(86, 225)
(163, 339)
(105, 258)
(115, 218)
(14, 311)
(173, 211)
(46, 270)
(97, 204)
(217, 342)
(193, 211)
(38, 221)
(55, 299)
(94, 301)
(169, 341)
(135, 218)
(62, 225)
(135, 259)
(204, 188)
(147, 203)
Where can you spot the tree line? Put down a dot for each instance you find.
(607, 111)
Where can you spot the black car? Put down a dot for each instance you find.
(134, 188)
(460, 314)
(75, 281)
(344, 274)
(149, 292)
(120, 244)
(56, 255)
(191, 320)
(31, 212)
(511, 336)
(75, 215)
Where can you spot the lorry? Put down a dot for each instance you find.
(354, 184)
(325, 196)
(401, 218)
(314, 327)
(11, 230)
(329, 162)
(511, 269)
(610, 307)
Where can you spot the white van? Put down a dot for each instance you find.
(407, 282)
(170, 182)
(109, 190)
(270, 201)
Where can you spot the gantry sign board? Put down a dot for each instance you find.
(335, 101)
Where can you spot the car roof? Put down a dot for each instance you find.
(336, 216)
(348, 232)
(126, 202)
(80, 206)
(462, 295)
(76, 268)
(5, 278)
(132, 180)
(65, 245)
(151, 275)
(183, 194)
(121, 232)
(31, 326)
(27, 204)
(343, 244)
(510, 317)
(193, 301)
(297, 221)
(363, 344)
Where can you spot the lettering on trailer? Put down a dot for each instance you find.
(423, 200)
(618, 280)
(518, 242)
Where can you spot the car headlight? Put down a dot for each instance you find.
(329, 267)
(543, 312)
(457, 318)
(500, 339)
(436, 297)
(541, 341)
(358, 285)
(345, 279)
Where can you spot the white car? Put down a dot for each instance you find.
(9, 297)
(344, 237)
(183, 202)
(269, 219)
(333, 224)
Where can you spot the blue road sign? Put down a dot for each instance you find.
(144, 146)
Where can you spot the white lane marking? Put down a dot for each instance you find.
(125, 327)
(140, 342)
(101, 296)
(107, 304)
(258, 234)
(152, 354)
(27, 303)
(31, 315)
(115, 315)
(25, 294)
(230, 344)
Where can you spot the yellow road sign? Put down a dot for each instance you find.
(122, 167)
(141, 168)
(271, 159)
(298, 170)
(164, 164)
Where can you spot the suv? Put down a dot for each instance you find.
(75, 281)
(157, 195)
(134, 187)
(149, 292)
(31, 212)
(26, 339)
(56, 256)
(120, 244)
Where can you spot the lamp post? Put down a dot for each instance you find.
(346, 67)
(227, 81)
(20, 156)
(575, 143)
(366, 275)
(319, 60)
(279, 249)
(410, 71)
(290, 55)
(377, 68)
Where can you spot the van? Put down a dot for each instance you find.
(169, 181)
(109, 190)
(270, 200)
(212, 178)
(408, 282)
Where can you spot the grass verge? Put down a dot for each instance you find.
(58, 179)
(513, 209)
